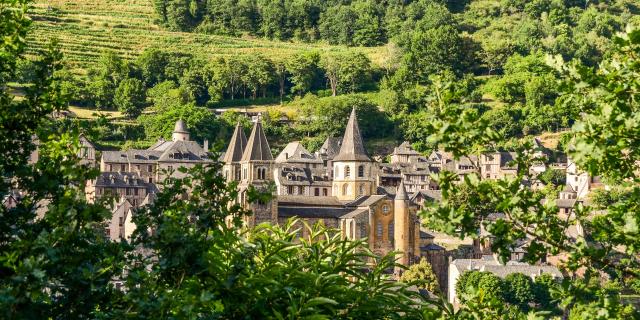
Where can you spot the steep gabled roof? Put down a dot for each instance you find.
(257, 146)
(236, 146)
(405, 149)
(294, 152)
(330, 147)
(352, 148)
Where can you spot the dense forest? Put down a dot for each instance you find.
(495, 54)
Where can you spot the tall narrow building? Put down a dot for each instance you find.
(233, 156)
(257, 166)
(352, 176)
(402, 224)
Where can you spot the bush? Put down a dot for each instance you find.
(519, 290)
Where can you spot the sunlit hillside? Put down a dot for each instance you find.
(86, 28)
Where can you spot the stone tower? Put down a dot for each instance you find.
(180, 132)
(232, 168)
(402, 224)
(352, 176)
(256, 167)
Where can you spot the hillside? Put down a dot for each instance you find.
(86, 28)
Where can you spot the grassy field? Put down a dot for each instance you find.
(86, 28)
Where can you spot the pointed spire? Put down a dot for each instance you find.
(180, 127)
(257, 146)
(401, 194)
(352, 148)
(236, 146)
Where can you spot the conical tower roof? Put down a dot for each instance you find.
(401, 194)
(257, 146)
(352, 148)
(236, 146)
(180, 127)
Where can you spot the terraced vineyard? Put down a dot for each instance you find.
(86, 28)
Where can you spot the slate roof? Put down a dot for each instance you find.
(121, 180)
(303, 176)
(236, 146)
(426, 235)
(330, 147)
(257, 146)
(355, 213)
(435, 195)
(309, 201)
(312, 212)
(402, 192)
(432, 247)
(188, 151)
(181, 127)
(295, 152)
(365, 201)
(352, 148)
(405, 149)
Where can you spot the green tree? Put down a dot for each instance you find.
(130, 97)
(421, 274)
(346, 72)
(303, 71)
(604, 145)
(152, 64)
(519, 290)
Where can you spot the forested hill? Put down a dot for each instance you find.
(85, 29)
(571, 27)
(397, 61)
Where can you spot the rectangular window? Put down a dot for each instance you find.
(170, 168)
(150, 180)
(135, 191)
(325, 192)
(363, 231)
(300, 190)
(150, 168)
(111, 168)
(127, 191)
(391, 231)
(138, 167)
(121, 221)
(289, 189)
(122, 167)
(316, 192)
(379, 230)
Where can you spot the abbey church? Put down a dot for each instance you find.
(337, 186)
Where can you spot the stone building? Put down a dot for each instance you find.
(120, 185)
(162, 159)
(336, 186)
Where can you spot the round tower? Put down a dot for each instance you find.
(401, 222)
(180, 132)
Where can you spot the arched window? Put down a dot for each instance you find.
(361, 190)
(361, 171)
(347, 171)
(345, 189)
(324, 192)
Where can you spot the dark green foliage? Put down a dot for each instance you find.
(202, 122)
(555, 177)
(130, 97)
(328, 117)
(519, 290)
